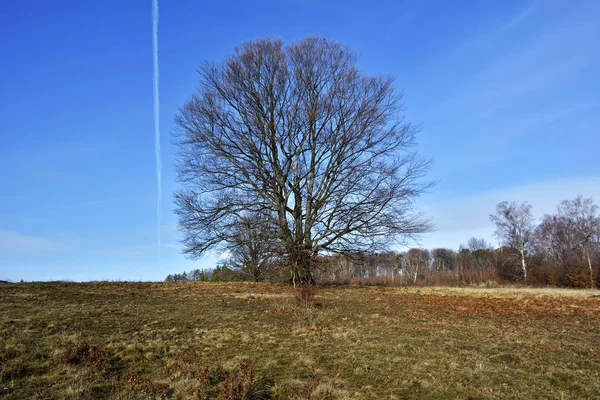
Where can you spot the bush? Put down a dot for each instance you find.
(82, 353)
(578, 275)
(242, 384)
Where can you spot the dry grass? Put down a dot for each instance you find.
(510, 292)
(258, 341)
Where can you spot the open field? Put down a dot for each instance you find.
(208, 340)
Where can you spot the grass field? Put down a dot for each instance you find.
(208, 340)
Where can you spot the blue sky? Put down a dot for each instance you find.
(506, 92)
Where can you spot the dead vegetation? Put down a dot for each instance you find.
(260, 341)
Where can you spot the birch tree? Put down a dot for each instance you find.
(514, 228)
(415, 263)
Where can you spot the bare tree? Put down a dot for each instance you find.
(553, 239)
(252, 250)
(443, 259)
(481, 256)
(514, 227)
(335, 268)
(387, 264)
(475, 244)
(415, 263)
(300, 132)
(583, 222)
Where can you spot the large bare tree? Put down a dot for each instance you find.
(514, 227)
(299, 132)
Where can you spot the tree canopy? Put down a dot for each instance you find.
(300, 136)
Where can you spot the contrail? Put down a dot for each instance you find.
(156, 117)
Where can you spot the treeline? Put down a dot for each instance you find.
(221, 273)
(447, 267)
(563, 249)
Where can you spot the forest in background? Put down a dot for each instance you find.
(562, 250)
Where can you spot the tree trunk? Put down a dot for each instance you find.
(589, 260)
(416, 274)
(301, 267)
(523, 265)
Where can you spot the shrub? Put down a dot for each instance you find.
(133, 383)
(81, 353)
(578, 275)
(242, 384)
(76, 353)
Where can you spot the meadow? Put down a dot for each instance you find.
(265, 341)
